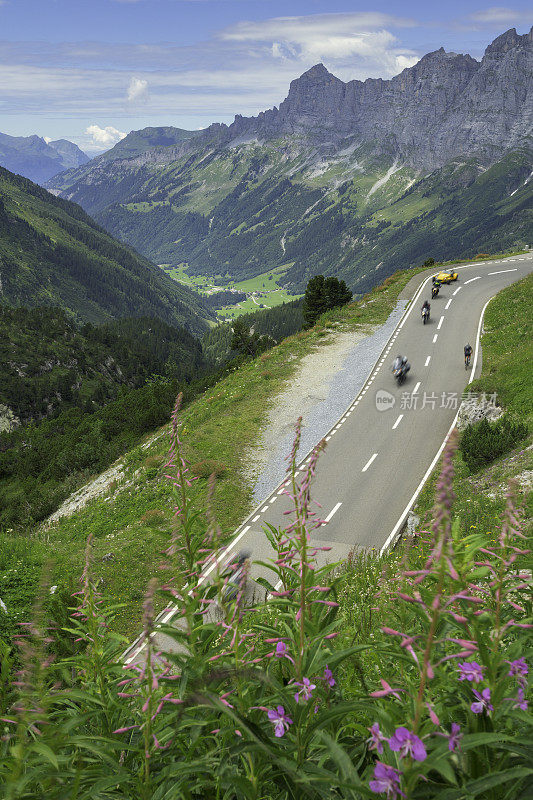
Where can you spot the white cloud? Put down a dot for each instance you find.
(137, 91)
(243, 69)
(103, 137)
(497, 14)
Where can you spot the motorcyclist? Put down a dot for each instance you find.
(468, 353)
(426, 307)
(400, 368)
(237, 575)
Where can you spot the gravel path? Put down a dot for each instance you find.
(325, 384)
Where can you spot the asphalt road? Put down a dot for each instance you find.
(379, 453)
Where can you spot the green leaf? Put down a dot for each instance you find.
(496, 779)
(47, 752)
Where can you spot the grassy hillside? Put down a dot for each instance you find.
(53, 254)
(133, 521)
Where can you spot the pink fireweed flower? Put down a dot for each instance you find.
(386, 781)
(386, 690)
(328, 676)
(518, 667)
(520, 701)
(376, 739)
(281, 651)
(453, 737)
(407, 744)
(482, 703)
(433, 717)
(306, 690)
(280, 720)
(470, 671)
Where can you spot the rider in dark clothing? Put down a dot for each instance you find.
(426, 304)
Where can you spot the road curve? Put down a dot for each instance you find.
(379, 454)
(377, 457)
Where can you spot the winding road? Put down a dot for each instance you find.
(389, 439)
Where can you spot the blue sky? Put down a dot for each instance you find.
(92, 70)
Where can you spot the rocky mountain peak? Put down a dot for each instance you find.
(317, 72)
(507, 41)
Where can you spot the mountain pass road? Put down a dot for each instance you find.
(388, 440)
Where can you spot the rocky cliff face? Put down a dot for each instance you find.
(445, 106)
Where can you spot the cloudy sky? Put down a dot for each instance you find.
(92, 70)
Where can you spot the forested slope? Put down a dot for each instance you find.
(53, 254)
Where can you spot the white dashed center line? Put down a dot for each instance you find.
(457, 290)
(448, 304)
(256, 517)
(397, 422)
(428, 359)
(435, 338)
(417, 387)
(473, 279)
(264, 509)
(441, 320)
(333, 511)
(368, 463)
(501, 271)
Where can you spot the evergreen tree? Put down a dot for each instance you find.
(242, 340)
(322, 294)
(314, 300)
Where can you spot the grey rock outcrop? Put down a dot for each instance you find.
(475, 409)
(446, 106)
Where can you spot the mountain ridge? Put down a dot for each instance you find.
(349, 179)
(36, 159)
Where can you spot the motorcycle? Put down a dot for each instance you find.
(400, 368)
(434, 291)
(425, 314)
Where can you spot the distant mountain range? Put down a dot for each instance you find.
(53, 254)
(36, 159)
(354, 179)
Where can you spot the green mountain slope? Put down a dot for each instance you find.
(48, 365)
(53, 253)
(239, 211)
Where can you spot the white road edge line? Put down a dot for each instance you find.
(392, 535)
(397, 422)
(333, 511)
(368, 463)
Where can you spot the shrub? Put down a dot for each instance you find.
(154, 461)
(484, 441)
(208, 467)
(152, 518)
